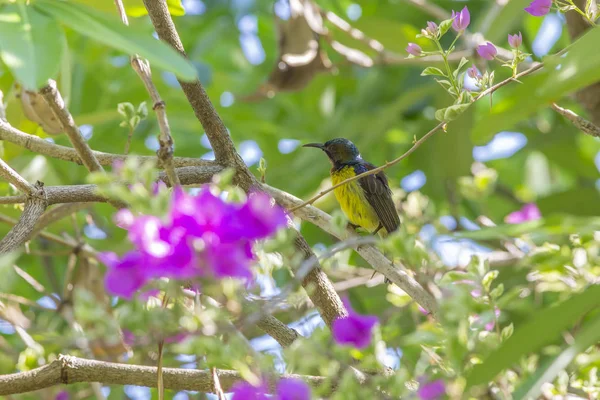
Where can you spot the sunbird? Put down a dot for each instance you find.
(366, 202)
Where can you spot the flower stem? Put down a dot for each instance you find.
(448, 70)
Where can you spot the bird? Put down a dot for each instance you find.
(366, 202)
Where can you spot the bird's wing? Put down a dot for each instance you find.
(379, 196)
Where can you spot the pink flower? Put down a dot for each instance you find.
(462, 19)
(414, 49)
(292, 389)
(539, 8)
(515, 40)
(432, 390)
(125, 275)
(487, 51)
(529, 212)
(355, 329)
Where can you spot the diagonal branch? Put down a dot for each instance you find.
(67, 370)
(581, 123)
(34, 207)
(13, 177)
(57, 104)
(205, 112)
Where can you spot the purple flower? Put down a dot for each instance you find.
(432, 390)
(432, 28)
(292, 389)
(487, 51)
(461, 19)
(242, 390)
(62, 395)
(529, 212)
(128, 337)
(355, 329)
(515, 40)
(473, 73)
(158, 187)
(539, 8)
(414, 49)
(125, 275)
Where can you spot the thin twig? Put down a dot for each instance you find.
(14, 178)
(417, 144)
(57, 104)
(581, 123)
(217, 385)
(142, 68)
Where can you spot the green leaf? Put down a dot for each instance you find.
(445, 26)
(543, 328)
(110, 30)
(432, 71)
(587, 336)
(31, 44)
(134, 8)
(578, 69)
(451, 113)
(461, 64)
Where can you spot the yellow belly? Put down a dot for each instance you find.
(353, 202)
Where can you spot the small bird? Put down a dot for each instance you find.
(367, 202)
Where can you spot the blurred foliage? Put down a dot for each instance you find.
(233, 48)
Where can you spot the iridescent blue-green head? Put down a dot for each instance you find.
(339, 150)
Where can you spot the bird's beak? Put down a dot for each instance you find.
(317, 145)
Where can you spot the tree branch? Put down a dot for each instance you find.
(67, 370)
(57, 104)
(41, 146)
(394, 272)
(216, 131)
(582, 124)
(13, 177)
(283, 334)
(34, 207)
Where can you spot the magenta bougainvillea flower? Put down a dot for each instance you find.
(515, 40)
(62, 395)
(529, 212)
(461, 20)
(292, 389)
(432, 390)
(244, 391)
(539, 8)
(201, 235)
(287, 389)
(414, 49)
(487, 51)
(355, 329)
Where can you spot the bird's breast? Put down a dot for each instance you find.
(352, 200)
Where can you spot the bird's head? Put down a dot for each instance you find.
(338, 150)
